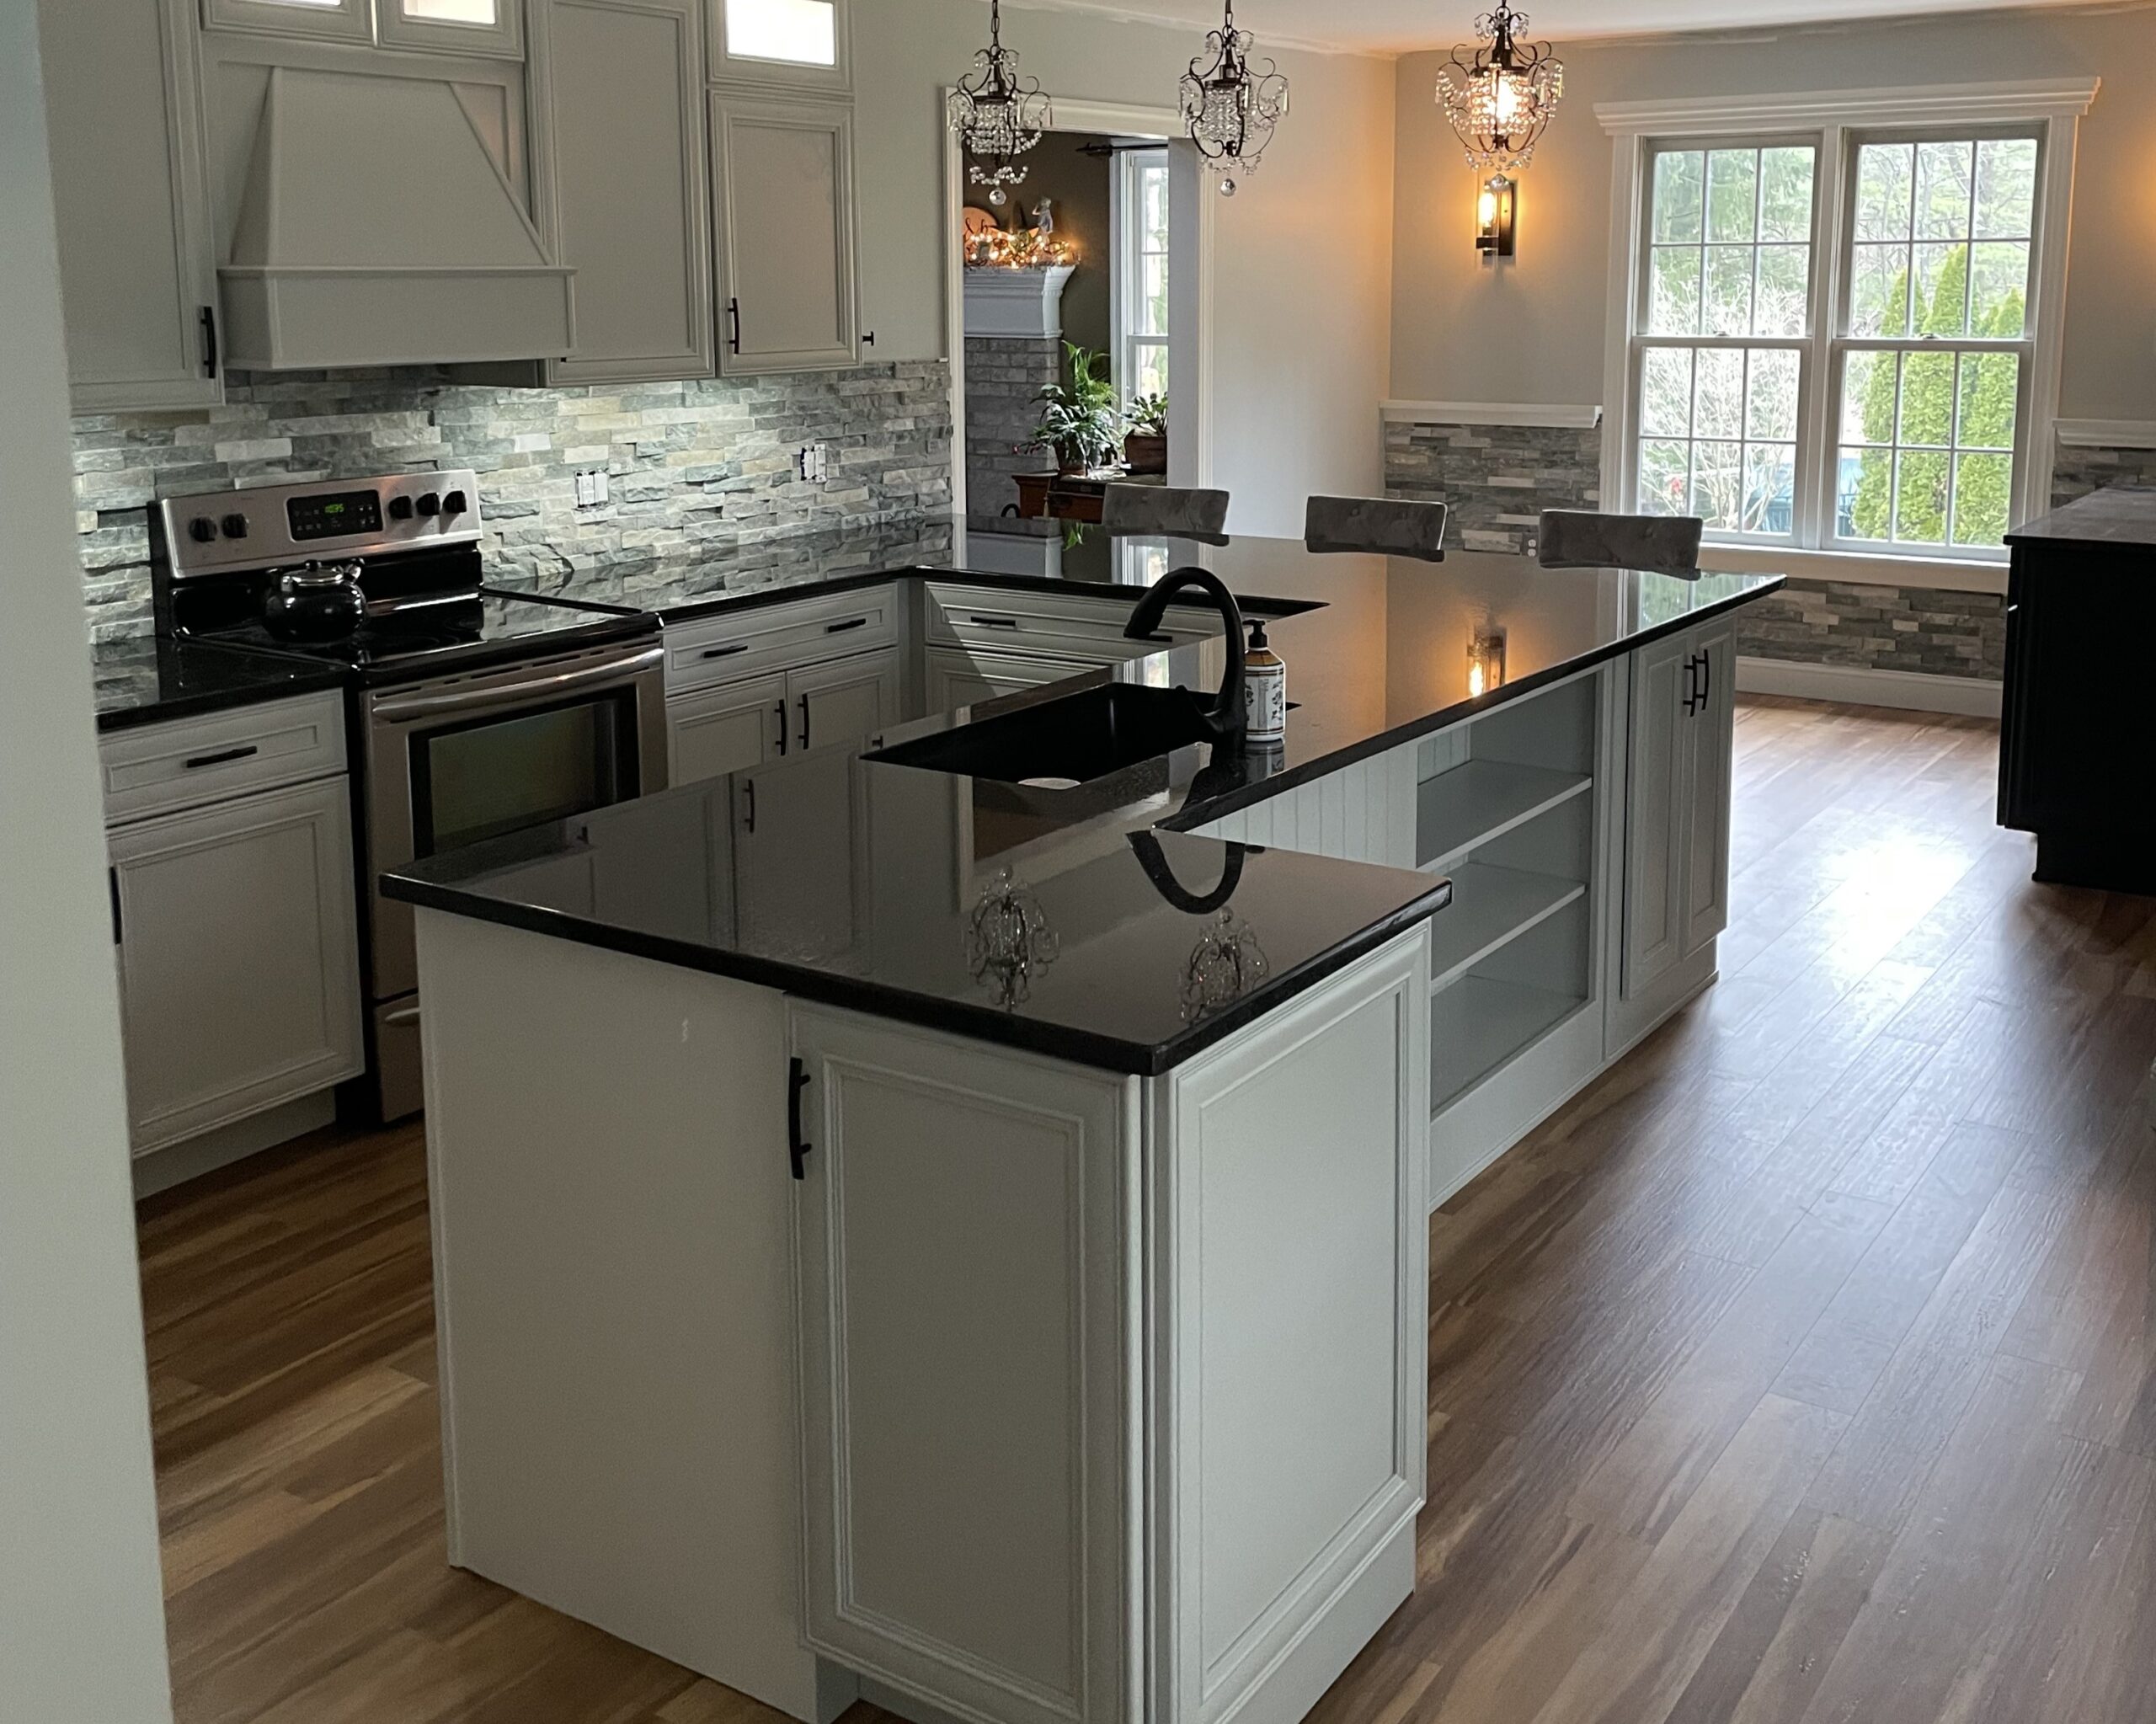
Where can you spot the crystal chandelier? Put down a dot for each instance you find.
(1231, 103)
(1499, 97)
(998, 114)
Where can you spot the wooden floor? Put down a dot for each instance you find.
(1804, 1369)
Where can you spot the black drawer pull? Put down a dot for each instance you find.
(726, 652)
(222, 757)
(994, 621)
(780, 710)
(841, 627)
(749, 789)
(796, 1151)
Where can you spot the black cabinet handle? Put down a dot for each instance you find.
(733, 326)
(112, 888)
(805, 721)
(850, 622)
(209, 322)
(1706, 679)
(798, 1151)
(195, 762)
(726, 652)
(780, 710)
(994, 621)
(749, 789)
(1691, 684)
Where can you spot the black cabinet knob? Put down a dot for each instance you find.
(201, 530)
(400, 509)
(429, 504)
(235, 526)
(454, 503)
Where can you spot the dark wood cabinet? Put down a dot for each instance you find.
(2076, 763)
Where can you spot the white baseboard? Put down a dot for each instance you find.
(1859, 686)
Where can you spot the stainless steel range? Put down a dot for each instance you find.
(474, 711)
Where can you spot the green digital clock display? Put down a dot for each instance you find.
(334, 515)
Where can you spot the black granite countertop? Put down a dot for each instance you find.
(145, 680)
(2117, 514)
(842, 878)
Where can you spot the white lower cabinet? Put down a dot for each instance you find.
(735, 727)
(960, 677)
(1060, 1463)
(238, 958)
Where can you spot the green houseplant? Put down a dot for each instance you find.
(1079, 420)
(1145, 448)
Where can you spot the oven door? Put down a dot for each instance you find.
(454, 762)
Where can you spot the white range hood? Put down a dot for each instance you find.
(375, 228)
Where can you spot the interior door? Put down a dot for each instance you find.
(782, 179)
(732, 727)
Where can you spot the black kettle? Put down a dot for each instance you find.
(317, 602)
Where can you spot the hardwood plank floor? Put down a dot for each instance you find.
(1802, 1371)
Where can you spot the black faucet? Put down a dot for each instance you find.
(1224, 717)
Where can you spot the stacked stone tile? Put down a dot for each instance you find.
(691, 466)
(2078, 470)
(1003, 375)
(1878, 629)
(1495, 480)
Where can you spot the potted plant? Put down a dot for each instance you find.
(1145, 447)
(1079, 420)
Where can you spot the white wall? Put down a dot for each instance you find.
(1302, 311)
(82, 1624)
(1532, 330)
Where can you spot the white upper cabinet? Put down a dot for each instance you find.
(137, 267)
(482, 27)
(336, 20)
(788, 44)
(783, 174)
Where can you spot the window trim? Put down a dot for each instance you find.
(2049, 108)
(1126, 222)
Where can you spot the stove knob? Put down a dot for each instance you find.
(454, 503)
(400, 509)
(429, 504)
(235, 526)
(201, 530)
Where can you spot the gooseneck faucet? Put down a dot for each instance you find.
(1224, 717)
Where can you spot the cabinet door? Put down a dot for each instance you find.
(131, 189)
(1656, 793)
(964, 1379)
(960, 678)
(848, 701)
(729, 728)
(239, 959)
(618, 88)
(782, 173)
(1710, 744)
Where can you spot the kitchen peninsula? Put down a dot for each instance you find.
(925, 1234)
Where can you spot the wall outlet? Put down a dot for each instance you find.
(591, 488)
(813, 463)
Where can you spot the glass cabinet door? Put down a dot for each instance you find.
(791, 43)
(337, 20)
(491, 27)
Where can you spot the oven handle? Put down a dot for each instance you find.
(396, 710)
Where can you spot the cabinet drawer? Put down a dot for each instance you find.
(1080, 625)
(771, 637)
(161, 768)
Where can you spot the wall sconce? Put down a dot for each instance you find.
(1486, 661)
(1495, 211)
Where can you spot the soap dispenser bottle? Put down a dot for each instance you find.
(1265, 692)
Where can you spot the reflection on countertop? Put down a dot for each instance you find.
(146, 679)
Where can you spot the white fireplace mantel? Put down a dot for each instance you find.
(1017, 303)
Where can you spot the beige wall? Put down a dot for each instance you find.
(1533, 330)
(81, 1623)
(1302, 319)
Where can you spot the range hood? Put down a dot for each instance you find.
(374, 227)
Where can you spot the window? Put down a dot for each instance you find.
(1142, 271)
(1842, 336)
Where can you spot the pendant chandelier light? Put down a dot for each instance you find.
(1231, 102)
(998, 114)
(1499, 97)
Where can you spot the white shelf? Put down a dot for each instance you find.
(1479, 800)
(1477, 1025)
(1490, 907)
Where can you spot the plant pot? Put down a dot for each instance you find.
(1146, 452)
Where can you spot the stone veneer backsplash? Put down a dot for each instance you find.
(1496, 480)
(689, 465)
(1877, 628)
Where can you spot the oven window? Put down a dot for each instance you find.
(479, 780)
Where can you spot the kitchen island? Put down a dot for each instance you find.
(962, 1240)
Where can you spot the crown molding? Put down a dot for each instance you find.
(1906, 105)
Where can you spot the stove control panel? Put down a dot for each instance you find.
(221, 531)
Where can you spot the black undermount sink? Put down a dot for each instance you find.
(1063, 742)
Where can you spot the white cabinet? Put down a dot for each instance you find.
(129, 186)
(1061, 1464)
(958, 677)
(733, 727)
(238, 958)
(1675, 888)
(846, 701)
(782, 179)
(618, 90)
(481, 27)
(797, 45)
